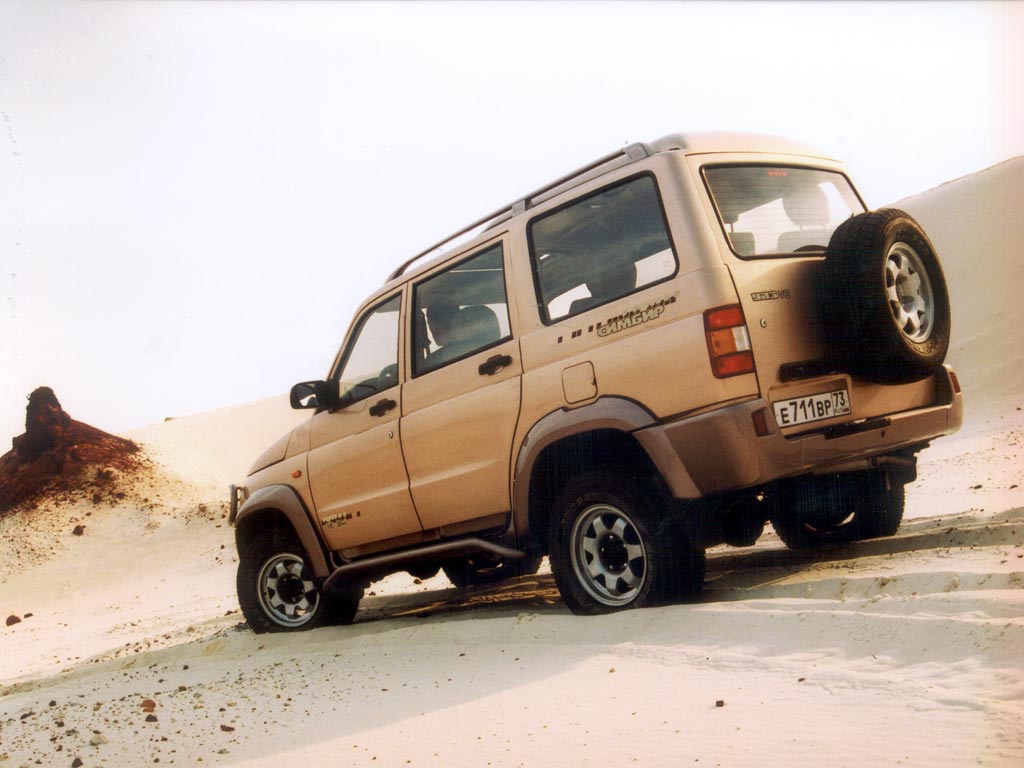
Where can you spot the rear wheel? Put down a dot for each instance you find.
(276, 589)
(836, 509)
(882, 511)
(609, 551)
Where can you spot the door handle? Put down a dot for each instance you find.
(492, 365)
(382, 406)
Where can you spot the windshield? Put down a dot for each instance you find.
(769, 210)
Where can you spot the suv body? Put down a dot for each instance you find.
(638, 361)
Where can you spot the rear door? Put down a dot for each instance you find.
(461, 403)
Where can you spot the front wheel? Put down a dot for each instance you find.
(609, 551)
(276, 590)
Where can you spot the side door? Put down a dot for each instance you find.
(356, 472)
(461, 403)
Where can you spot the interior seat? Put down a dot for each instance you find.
(807, 207)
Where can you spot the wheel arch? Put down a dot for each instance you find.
(281, 505)
(582, 439)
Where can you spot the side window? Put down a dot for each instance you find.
(600, 248)
(460, 311)
(371, 360)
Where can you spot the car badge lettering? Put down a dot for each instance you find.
(634, 317)
(784, 293)
(337, 521)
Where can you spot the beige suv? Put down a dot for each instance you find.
(655, 354)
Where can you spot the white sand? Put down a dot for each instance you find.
(907, 651)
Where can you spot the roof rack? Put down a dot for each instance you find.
(625, 156)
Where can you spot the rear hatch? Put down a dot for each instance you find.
(774, 222)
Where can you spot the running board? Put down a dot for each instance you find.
(443, 551)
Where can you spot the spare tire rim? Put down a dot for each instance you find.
(286, 593)
(909, 292)
(609, 559)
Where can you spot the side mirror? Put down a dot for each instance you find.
(310, 394)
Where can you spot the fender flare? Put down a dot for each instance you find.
(608, 413)
(285, 501)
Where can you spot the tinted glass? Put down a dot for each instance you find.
(600, 248)
(460, 311)
(770, 210)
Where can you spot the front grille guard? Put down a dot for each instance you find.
(238, 495)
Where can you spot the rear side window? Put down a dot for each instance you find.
(600, 248)
(779, 210)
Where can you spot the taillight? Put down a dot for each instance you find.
(728, 341)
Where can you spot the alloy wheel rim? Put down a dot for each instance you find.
(909, 292)
(287, 594)
(608, 555)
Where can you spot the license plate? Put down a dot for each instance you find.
(801, 410)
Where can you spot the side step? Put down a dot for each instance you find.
(393, 560)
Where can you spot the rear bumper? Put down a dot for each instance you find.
(720, 451)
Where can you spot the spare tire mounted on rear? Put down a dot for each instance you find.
(884, 298)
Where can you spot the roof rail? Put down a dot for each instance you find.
(625, 156)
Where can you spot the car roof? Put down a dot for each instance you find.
(690, 143)
(707, 142)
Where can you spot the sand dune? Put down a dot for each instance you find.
(130, 649)
(977, 228)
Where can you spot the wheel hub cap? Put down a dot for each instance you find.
(909, 292)
(290, 588)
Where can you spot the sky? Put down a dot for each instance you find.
(195, 197)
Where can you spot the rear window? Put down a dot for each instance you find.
(768, 210)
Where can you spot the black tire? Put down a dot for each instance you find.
(837, 509)
(477, 570)
(609, 550)
(884, 299)
(424, 571)
(687, 567)
(276, 590)
(882, 510)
